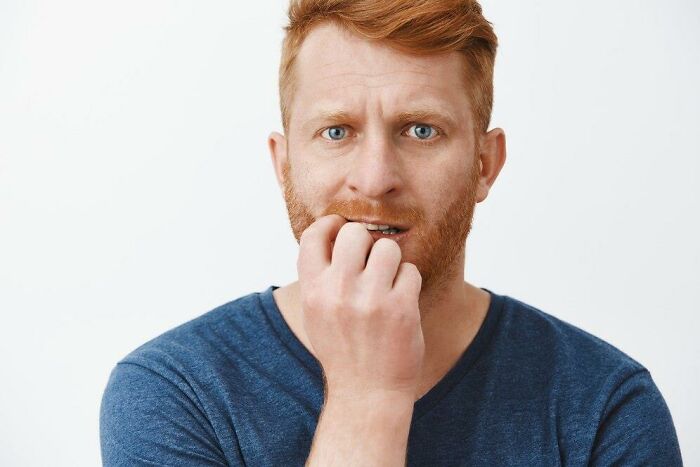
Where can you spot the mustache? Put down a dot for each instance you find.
(391, 214)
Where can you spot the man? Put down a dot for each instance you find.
(381, 353)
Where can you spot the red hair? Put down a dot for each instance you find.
(418, 27)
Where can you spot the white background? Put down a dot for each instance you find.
(136, 190)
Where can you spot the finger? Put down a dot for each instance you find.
(315, 245)
(408, 280)
(383, 263)
(351, 248)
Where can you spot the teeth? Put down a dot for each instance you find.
(385, 229)
(376, 227)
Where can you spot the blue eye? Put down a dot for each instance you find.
(334, 133)
(422, 131)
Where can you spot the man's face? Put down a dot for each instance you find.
(376, 134)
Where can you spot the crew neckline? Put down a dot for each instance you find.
(437, 392)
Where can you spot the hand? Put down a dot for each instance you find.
(363, 321)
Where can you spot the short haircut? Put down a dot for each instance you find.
(419, 27)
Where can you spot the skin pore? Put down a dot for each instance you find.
(379, 134)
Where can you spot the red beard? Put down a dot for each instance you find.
(434, 248)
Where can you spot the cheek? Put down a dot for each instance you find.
(455, 184)
(312, 190)
(316, 180)
(436, 183)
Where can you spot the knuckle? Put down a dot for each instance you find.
(410, 275)
(387, 250)
(405, 307)
(317, 227)
(412, 270)
(333, 218)
(391, 247)
(408, 319)
(307, 234)
(302, 263)
(345, 227)
(311, 298)
(335, 303)
(353, 228)
(340, 283)
(369, 305)
(387, 244)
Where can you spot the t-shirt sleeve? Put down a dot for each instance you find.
(636, 427)
(146, 419)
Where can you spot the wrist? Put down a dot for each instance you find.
(384, 408)
(370, 397)
(363, 429)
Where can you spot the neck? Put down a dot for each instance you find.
(452, 311)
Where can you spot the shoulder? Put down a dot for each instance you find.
(601, 396)
(164, 401)
(196, 356)
(561, 345)
(205, 340)
(551, 359)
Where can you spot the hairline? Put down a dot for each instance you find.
(289, 91)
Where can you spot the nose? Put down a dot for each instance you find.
(375, 171)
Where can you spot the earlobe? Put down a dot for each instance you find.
(277, 144)
(492, 157)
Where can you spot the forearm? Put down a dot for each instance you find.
(362, 431)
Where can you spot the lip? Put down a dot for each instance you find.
(398, 238)
(380, 222)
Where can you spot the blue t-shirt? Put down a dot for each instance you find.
(236, 387)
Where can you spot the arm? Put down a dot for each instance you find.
(636, 428)
(146, 419)
(372, 431)
(363, 322)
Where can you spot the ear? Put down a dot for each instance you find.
(492, 157)
(277, 144)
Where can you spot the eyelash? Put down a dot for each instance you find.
(423, 142)
(427, 142)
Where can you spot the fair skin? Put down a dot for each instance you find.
(359, 305)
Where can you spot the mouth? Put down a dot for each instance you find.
(379, 229)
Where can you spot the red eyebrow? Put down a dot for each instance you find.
(424, 115)
(328, 116)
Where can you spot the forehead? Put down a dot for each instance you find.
(337, 70)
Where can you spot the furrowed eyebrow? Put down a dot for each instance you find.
(425, 116)
(328, 117)
(341, 116)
